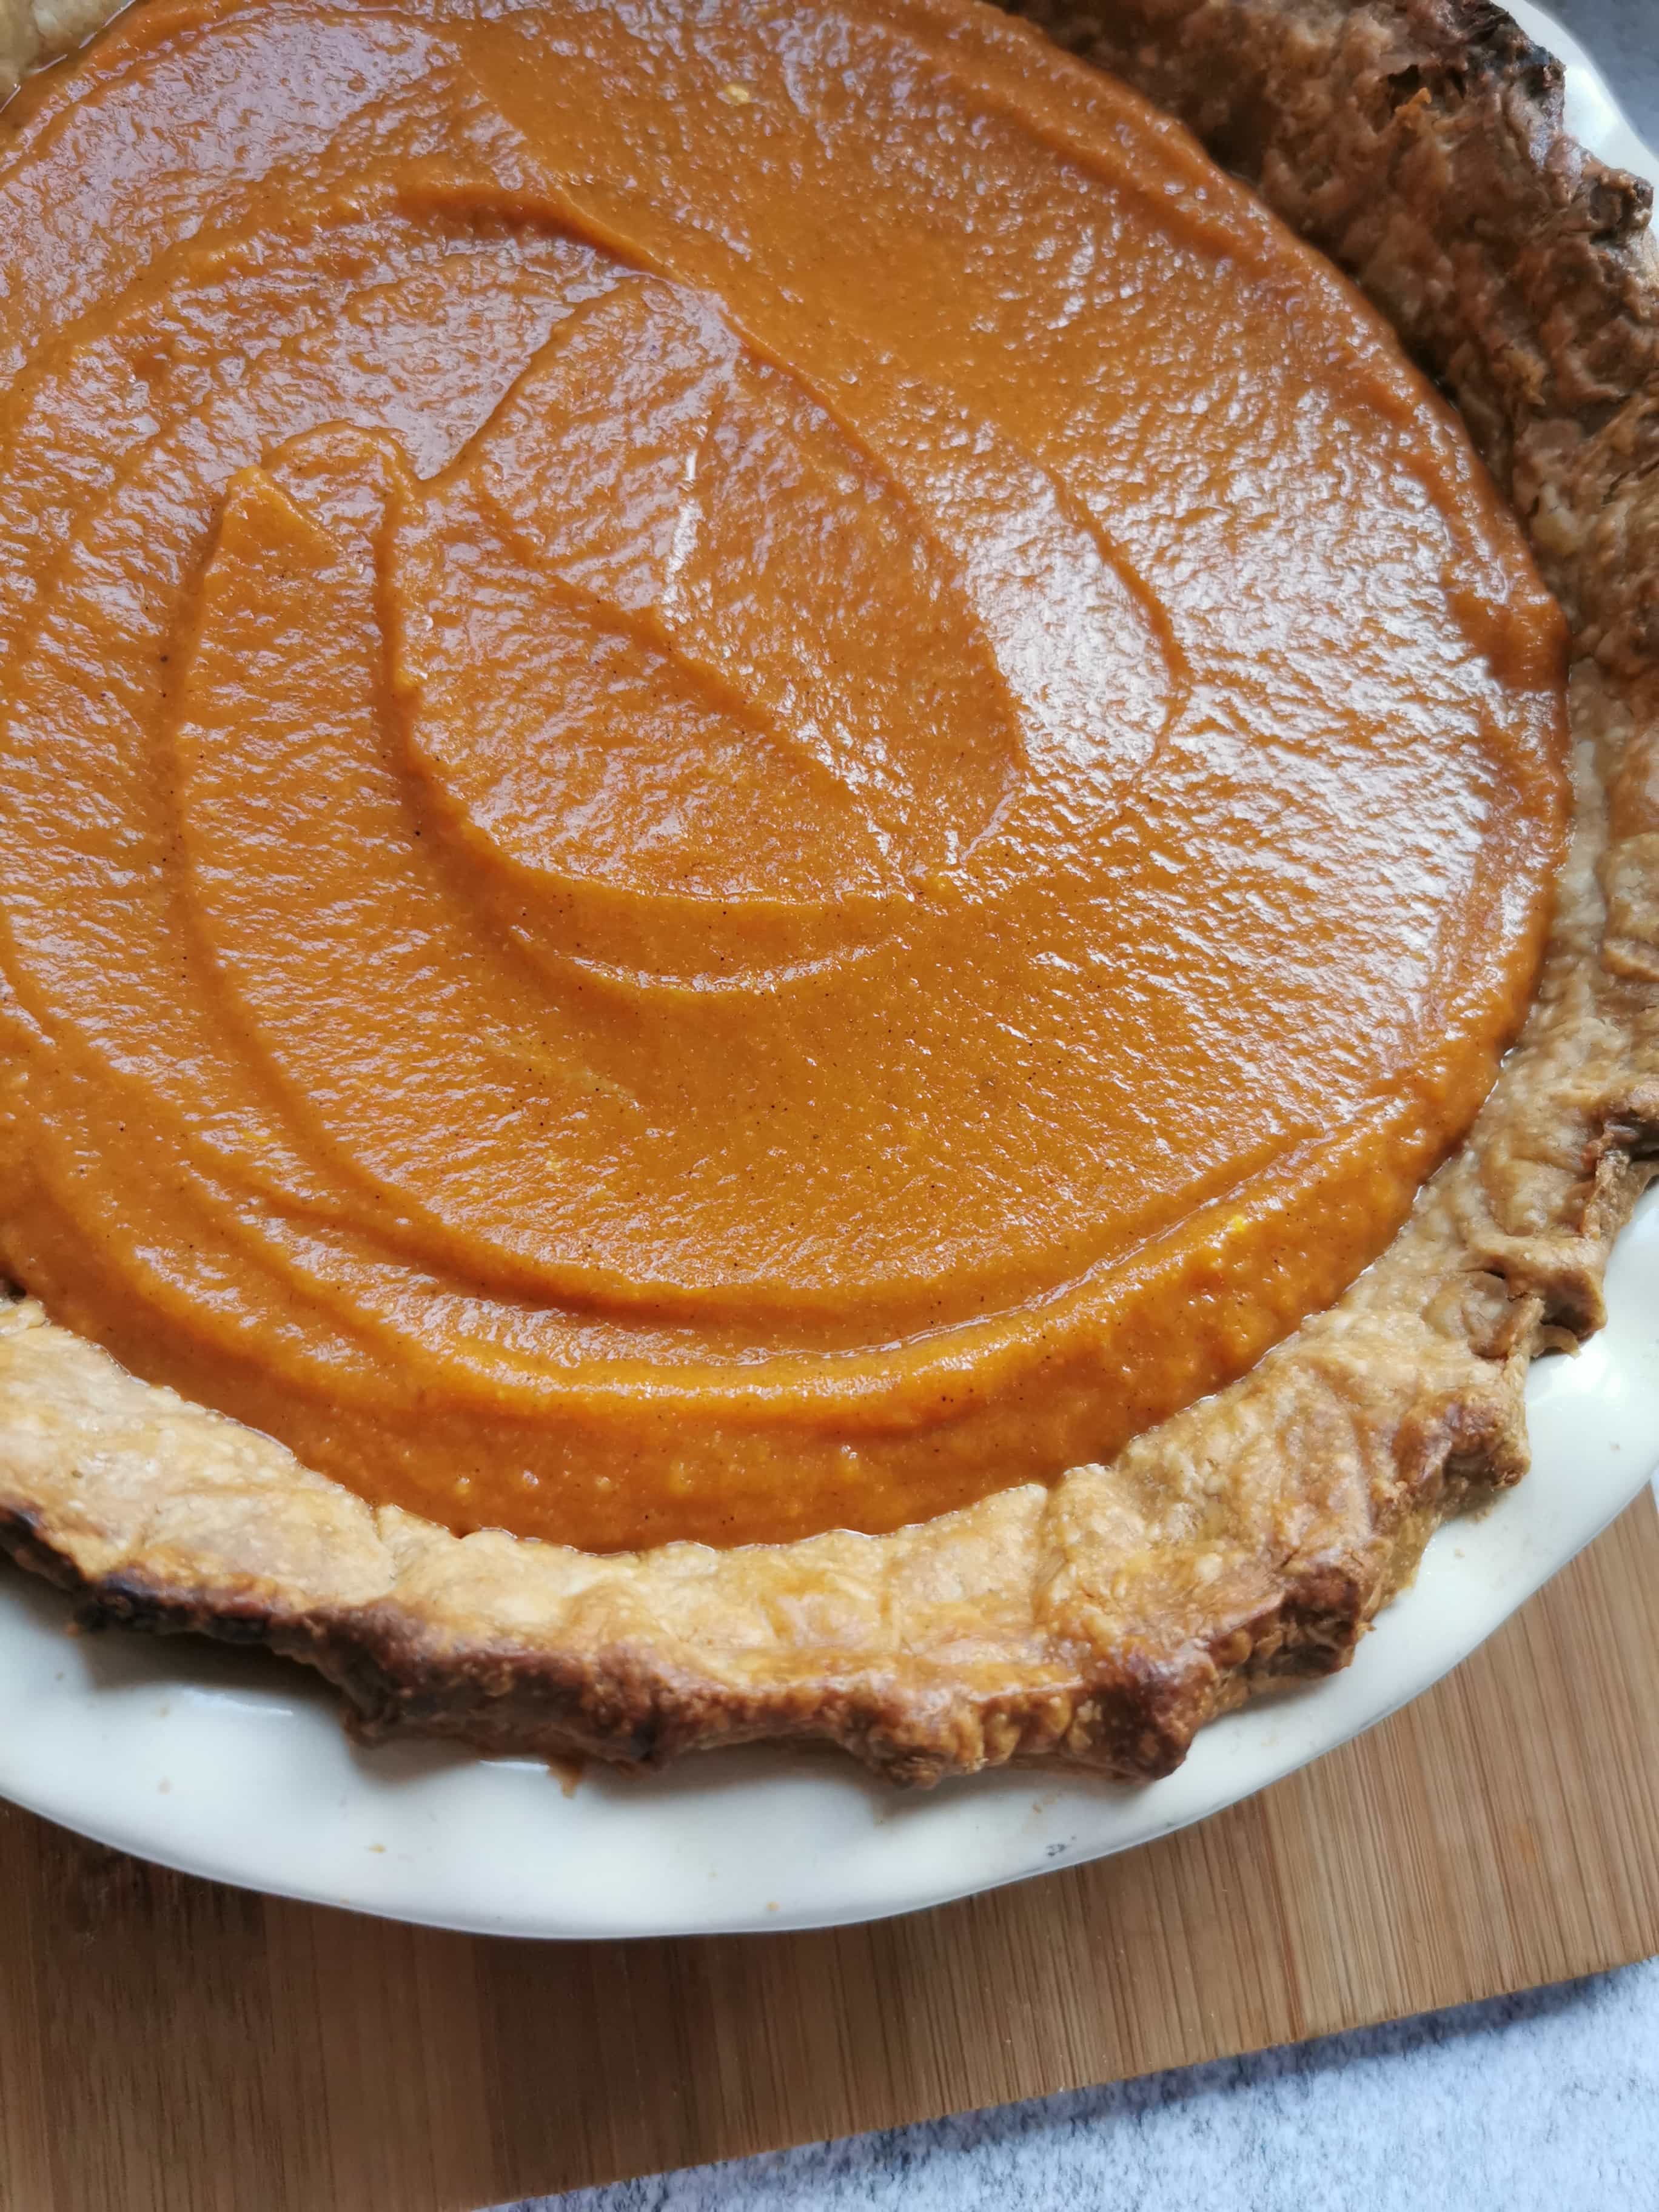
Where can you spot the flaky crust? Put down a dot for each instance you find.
(1101, 1621)
(35, 32)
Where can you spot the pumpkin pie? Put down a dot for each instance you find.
(804, 929)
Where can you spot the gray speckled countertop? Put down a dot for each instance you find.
(1545, 2099)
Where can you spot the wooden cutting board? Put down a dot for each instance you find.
(166, 2044)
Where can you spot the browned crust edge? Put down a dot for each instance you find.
(1250, 1539)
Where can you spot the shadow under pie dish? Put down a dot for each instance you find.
(1248, 1536)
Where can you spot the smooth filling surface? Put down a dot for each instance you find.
(755, 771)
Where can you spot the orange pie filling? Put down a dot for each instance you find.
(755, 771)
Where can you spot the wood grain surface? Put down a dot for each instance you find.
(166, 2044)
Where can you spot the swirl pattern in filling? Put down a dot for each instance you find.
(754, 770)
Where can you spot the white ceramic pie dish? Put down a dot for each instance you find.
(235, 1766)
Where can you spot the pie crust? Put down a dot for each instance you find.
(1251, 1537)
